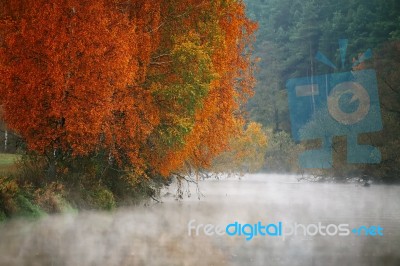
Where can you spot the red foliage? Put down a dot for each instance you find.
(83, 76)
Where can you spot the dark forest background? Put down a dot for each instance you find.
(290, 34)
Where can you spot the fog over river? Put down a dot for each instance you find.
(159, 234)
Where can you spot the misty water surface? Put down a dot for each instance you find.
(158, 234)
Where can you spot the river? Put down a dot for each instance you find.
(158, 234)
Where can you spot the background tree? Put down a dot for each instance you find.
(246, 152)
(290, 34)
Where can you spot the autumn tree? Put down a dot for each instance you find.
(246, 153)
(68, 70)
(150, 86)
(211, 79)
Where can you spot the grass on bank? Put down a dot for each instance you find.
(7, 162)
(28, 189)
(15, 201)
